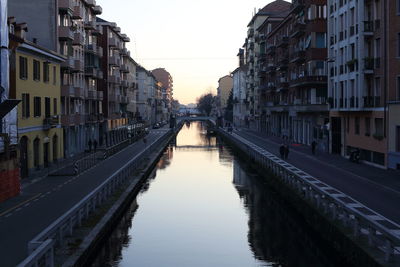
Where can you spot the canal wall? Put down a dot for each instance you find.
(92, 243)
(359, 235)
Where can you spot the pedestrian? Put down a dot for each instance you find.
(282, 151)
(144, 141)
(90, 145)
(95, 145)
(286, 151)
(313, 147)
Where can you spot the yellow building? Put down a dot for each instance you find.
(225, 85)
(35, 79)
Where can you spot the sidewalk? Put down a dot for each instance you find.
(23, 217)
(376, 188)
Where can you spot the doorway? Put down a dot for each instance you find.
(336, 135)
(24, 156)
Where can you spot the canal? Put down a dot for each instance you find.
(203, 206)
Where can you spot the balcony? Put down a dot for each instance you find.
(51, 122)
(97, 10)
(298, 57)
(368, 28)
(66, 5)
(112, 42)
(78, 39)
(78, 12)
(114, 79)
(250, 33)
(124, 83)
(90, 25)
(78, 66)
(283, 42)
(124, 51)
(114, 61)
(65, 33)
(67, 91)
(91, 71)
(99, 75)
(298, 29)
(71, 120)
(69, 63)
(91, 48)
(124, 68)
(97, 31)
(308, 81)
(92, 94)
(79, 92)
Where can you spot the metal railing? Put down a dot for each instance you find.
(381, 233)
(41, 248)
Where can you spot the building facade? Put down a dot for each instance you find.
(240, 112)
(36, 80)
(224, 89)
(167, 84)
(358, 88)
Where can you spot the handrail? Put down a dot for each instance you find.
(40, 246)
(381, 232)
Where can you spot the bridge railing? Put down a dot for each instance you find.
(364, 223)
(41, 248)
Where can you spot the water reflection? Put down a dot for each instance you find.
(204, 208)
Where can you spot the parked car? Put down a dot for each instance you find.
(156, 126)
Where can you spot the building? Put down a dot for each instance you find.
(69, 28)
(167, 84)
(252, 47)
(359, 83)
(225, 85)
(392, 23)
(146, 102)
(9, 157)
(131, 108)
(36, 80)
(115, 85)
(240, 111)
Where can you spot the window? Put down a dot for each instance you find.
(367, 126)
(25, 106)
(54, 75)
(47, 107)
(320, 40)
(46, 72)
(378, 127)
(36, 70)
(23, 68)
(357, 125)
(37, 108)
(55, 106)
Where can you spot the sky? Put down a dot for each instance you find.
(196, 41)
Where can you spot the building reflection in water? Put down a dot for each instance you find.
(194, 213)
(275, 235)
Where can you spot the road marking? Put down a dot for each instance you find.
(333, 166)
(19, 205)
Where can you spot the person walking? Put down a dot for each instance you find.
(286, 151)
(282, 151)
(90, 145)
(313, 147)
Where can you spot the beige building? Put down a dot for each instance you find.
(225, 85)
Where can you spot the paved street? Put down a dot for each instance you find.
(41, 203)
(376, 188)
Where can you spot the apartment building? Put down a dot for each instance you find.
(358, 78)
(36, 80)
(146, 96)
(167, 84)
(251, 47)
(224, 89)
(240, 112)
(115, 84)
(392, 15)
(69, 28)
(131, 108)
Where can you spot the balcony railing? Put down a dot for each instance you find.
(78, 12)
(65, 33)
(298, 29)
(97, 10)
(114, 61)
(90, 25)
(50, 122)
(67, 90)
(66, 5)
(78, 39)
(114, 79)
(308, 80)
(298, 56)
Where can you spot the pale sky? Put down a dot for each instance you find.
(196, 41)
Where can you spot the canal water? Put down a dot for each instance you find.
(203, 206)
